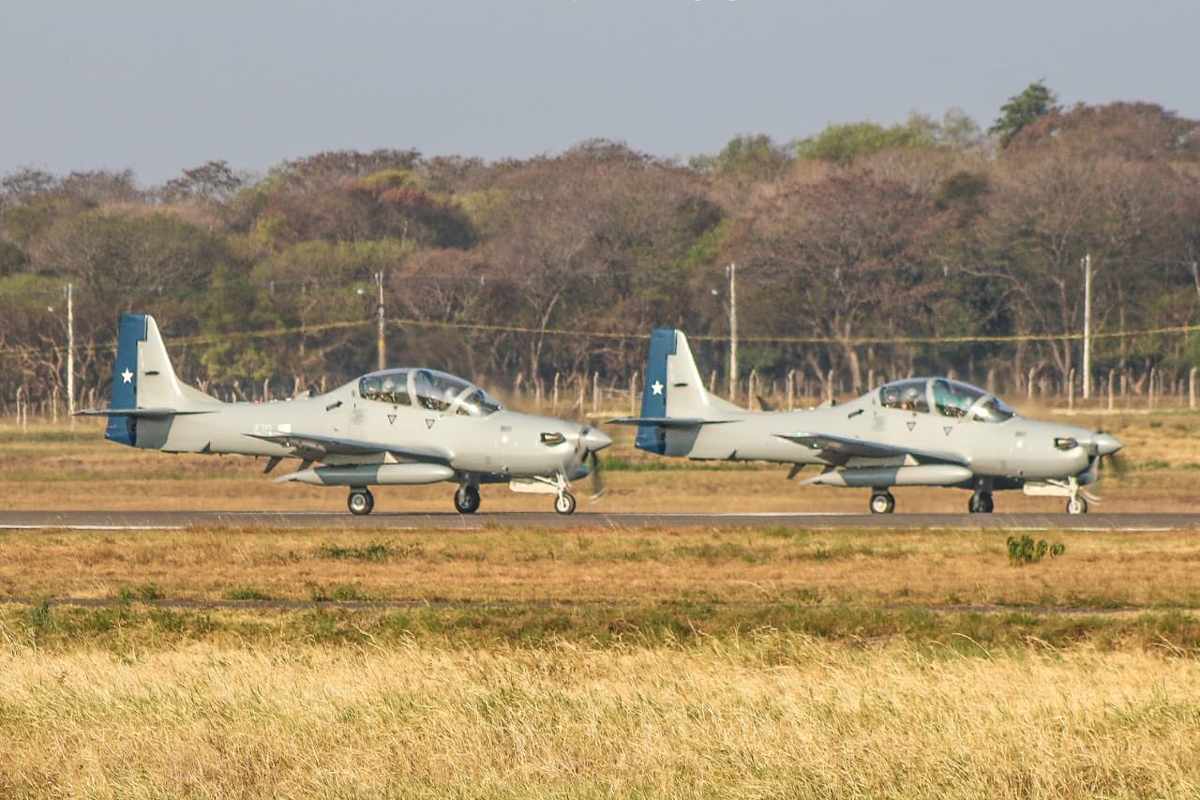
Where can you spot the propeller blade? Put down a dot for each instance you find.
(1118, 463)
(598, 487)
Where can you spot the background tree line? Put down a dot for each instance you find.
(930, 228)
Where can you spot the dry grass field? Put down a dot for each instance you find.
(625, 662)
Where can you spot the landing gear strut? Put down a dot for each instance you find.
(361, 501)
(466, 499)
(980, 503)
(882, 502)
(1077, 503)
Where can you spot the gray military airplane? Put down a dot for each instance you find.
(396, 426)
(915, 432)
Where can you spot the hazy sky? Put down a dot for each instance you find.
(158, 86)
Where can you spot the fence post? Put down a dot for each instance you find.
(554, 405)
(266, 390)
(1029, 385)
(712, 382)
(791, 389)
(751, 388)
(829, 386)
(1070, 388)
(1192, 388)
(1150, 388)
(54, 406)
(1111, 377)
(633, 386)
(595, 392)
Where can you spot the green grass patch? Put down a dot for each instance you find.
(374, 551)
(145, 593)
(131, 629)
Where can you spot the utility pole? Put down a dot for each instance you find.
(1087, 326)
(733, 335)
(71, 352)
(382, 323)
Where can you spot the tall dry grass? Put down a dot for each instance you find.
(765, 716)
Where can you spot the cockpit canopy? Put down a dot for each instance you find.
(945, 397)
(428, 389)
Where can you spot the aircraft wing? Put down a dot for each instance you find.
(843, 448)
(137, 412)
(669, 422)
(316, 448)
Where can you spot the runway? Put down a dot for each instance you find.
(182, 520)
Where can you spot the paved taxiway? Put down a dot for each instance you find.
(179, 520)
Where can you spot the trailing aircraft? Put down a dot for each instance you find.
(392, 427)
(912, 432)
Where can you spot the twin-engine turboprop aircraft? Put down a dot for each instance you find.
(916, 432)
(398, 426)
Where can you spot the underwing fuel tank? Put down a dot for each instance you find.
(878, 477)
(372, 475)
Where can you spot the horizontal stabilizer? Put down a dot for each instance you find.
(156, 413)
(669, 422)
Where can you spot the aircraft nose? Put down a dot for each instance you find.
(595, 440)
(1106, 444)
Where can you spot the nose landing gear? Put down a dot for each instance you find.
(565, 503)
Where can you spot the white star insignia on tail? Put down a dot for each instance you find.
(656, 387)
(127, 376)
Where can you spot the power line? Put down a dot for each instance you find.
(217, 338)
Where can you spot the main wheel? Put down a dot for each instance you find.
(882, 503)
(980, 503)
(466, 499)
(1077, 505)
(360, 502)
(565, 503)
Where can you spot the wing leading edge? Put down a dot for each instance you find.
(313, 447)
(841, 449)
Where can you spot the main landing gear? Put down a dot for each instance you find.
(466, 499)
(882, 502)
(980, 503)
(360, 502)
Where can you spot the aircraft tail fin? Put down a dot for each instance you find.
(674, 396)
(144, 383)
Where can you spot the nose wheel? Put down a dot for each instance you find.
(882, 503)
(1077, 505)
(565, 503)
(360, 502)
(466, 499)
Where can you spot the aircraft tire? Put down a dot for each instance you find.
(565, 503)
(360, 502)
(466, 499)
(980, 503)
(882, 503)
(1077, 505)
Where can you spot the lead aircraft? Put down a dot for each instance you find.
(915, 432)
(396, 426)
